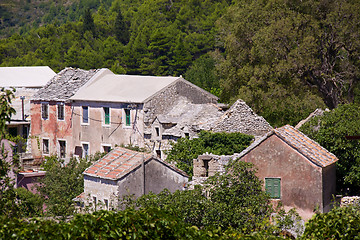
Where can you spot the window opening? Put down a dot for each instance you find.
(45, 110)
(45, 146)
(85, 150)
(107, 115)
(106, 149)
(206, 166)
(127, 117)
(62, 145)
(158, 153)
(157, 130)
(60, 112)
(85, 117)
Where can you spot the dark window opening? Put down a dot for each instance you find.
(13, 131)
(60, 111)
(85, 150)
(187, 135)
(206, 166)
(62, 145)
(107, 149)
(157, 130)
(158, 153)
(45, 146)
(85, 116)
(45, 110)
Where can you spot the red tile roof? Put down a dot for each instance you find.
(307, 147)
(119, 162)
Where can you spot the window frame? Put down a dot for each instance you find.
(103, 145)
(106, 117)
(62, 140)
(48, 146)
(127, 117)
(82, 115)
(45, 105)
(63, 111)
(273, 187)
(83, 149)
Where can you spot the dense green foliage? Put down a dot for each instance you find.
(136, 37)
(62, 183)
(234, 199)
(185, 150)
(339, 223)
(330, 131)
(29, 204)
(284, 58)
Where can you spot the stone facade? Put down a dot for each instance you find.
(241, 118)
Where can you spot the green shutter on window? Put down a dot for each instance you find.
(127, 117)
(107, 115)
(273, 187)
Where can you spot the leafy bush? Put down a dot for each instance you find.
(330, 131)
(339, 223)
(30, 204)
(185, 150)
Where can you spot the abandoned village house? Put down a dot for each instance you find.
(125, 172)
(294, 169)
(26, 81)
(82, 112)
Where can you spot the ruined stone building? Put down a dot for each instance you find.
(125, 172)
(293, 168)
(82, 112)
(52, 114)
(26, 81)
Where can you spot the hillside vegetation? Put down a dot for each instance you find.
(284, 58)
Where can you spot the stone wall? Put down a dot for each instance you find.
(346, 201)
(241, 118)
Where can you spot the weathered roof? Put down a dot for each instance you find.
(123, 88)
(65, 84)
(189, 115)
(120, 162)
(32, 77)
(241, 118)
(300, 142)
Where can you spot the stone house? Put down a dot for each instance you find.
(295, 169)
(82, 112)
(120, 109)
(26, 81)
(125, 172)
(52, 113)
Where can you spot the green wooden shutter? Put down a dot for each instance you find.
(107, 115)
(127, 117)
(273, 187)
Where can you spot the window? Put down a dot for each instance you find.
(106, 204)
(106, 149)
(273, 187)
(85, 150)
(158, 153)
(206, 167)
(94, 202)
(85, 114)
(106, 115)
(60, 111)
(157, 130)
(45, 146)
(45, 110)
(62, 148)
(127, 117)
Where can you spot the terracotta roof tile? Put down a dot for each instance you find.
(122, 162)
(309, 148)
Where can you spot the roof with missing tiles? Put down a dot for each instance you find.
(300, 142)
(64, 85)
(120, 162)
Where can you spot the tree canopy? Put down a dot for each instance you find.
(330, 131)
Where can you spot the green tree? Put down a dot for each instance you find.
(330, 131)
(286, 58)
(61, 184)
(185, 150)
(234, 200)
(88, 24)
(7, 165)
(121, 29)
(29, 204)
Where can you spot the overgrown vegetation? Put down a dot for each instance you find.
(330, 131)
(185, 150)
